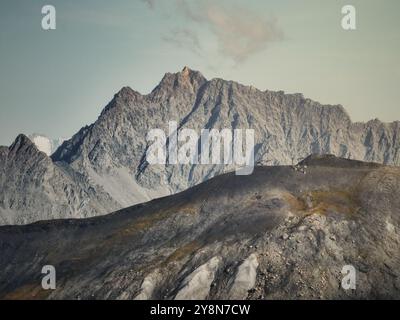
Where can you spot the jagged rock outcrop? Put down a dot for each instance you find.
(287, 128)
(251, 237)
(110, 153)
(33, 188)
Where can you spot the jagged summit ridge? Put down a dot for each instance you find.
(21, 141)
(34, 188)
(110, 153)
(188, 81)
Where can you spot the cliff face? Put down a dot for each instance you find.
(110, 153)
(282, 233)
(287, 128)
(33, 188)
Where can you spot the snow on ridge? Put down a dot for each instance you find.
(46, 144)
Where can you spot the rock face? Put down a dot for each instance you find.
(33, 188)
(276, 234)
(110, 153)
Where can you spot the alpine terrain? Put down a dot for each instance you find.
(103, 167)
(284, 232)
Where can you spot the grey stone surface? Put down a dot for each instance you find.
(34, 188)
(109, 155)
(303, 228)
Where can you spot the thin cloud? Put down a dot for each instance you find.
(184, 38)
(240, 32)
(150, 3)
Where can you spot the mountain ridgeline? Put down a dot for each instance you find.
(275, 234)
(103, 167)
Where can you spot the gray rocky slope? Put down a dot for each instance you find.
(110, 153)
(281, 233)
(34, 188)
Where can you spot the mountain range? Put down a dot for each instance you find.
(103, 167)
(284, 232)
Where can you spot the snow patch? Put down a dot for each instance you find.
(148, 286)
(45, 144)
(196, 286)
(245, 278)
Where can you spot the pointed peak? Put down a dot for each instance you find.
(125, 95)
(185, 79)
(186, 71)
(22, 141)
(127, 92)
(191, 75)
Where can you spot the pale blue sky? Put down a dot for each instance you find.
(55, 82)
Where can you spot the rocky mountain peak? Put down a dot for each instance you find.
(24, 152)
(127, 92)
(190, 73)
(187, 79)
(186, 71)
(124, 96)
(22, 142)
(110, 154)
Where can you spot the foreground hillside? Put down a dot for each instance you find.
(281, 233)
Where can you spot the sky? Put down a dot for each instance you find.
(56, 81)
